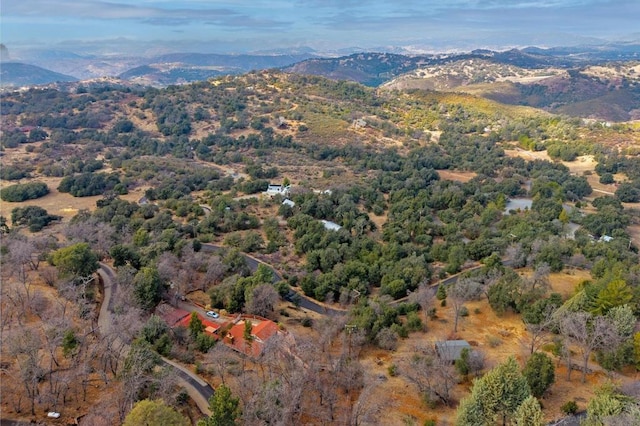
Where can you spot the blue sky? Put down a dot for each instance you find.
(254, 25)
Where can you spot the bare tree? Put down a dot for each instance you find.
(540, 278)
(590, 333)
(423, 297)
(539, 331)
(24, 346)
(168, 267)
(282, 383)
(20, 260)
(49, 275)
(220, 358)
(23, 252)
(463, 290)
(215, 270)
(516, 255)
(365, 410)
(262, 300)
(434, 377)
(387, 339)
(99, 235)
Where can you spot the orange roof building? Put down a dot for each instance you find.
(260, 332)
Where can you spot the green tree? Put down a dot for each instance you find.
(151, 413)
(75, 261)
(539, 373)
(34, 217)
(195, 325)
(246, 333)
(495, 397)
(462, 363)
(529, 413)
(441, 294)
(147, 287)
(609, 403)
(616, 293)
(26, 191)
(225, 408)
(69, 342)
(156, 333)
(563, 217)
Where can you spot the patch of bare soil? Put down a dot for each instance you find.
(527, 155)
(378, 220)
(456, 175)
(563, 282)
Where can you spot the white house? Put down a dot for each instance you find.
(289, 203)
(278, 189)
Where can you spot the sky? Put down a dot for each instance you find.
(150, 26)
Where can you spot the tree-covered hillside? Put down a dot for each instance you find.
(394, 199)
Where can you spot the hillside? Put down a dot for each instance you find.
(14, 74)
(606, 92)
(309, 241)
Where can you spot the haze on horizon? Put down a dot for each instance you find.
(224, 26)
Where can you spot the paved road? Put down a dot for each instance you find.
(199, 390)
(302, 300)
(308, 303)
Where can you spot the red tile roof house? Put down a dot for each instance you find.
(261, 330)
(180, 318)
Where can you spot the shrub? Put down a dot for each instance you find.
(431, 313)
(414, 323)
(34, 217)
(494, 341)
(392, 370)
(569, 408)
(607, 178)
(387, 339)
(24, 191)
(204, 342)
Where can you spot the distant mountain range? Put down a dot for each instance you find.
(373, 69)
(556, 79)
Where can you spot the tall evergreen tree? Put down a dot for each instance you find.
(529, 413)
(539, 373)
(495, 397)
(225, 408)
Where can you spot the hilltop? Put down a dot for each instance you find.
(15, 74)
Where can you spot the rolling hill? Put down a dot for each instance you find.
(15, 74)
(608, 91)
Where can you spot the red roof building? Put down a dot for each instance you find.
(261, 331)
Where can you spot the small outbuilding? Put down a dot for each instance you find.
(450, 350)
(330, 226)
